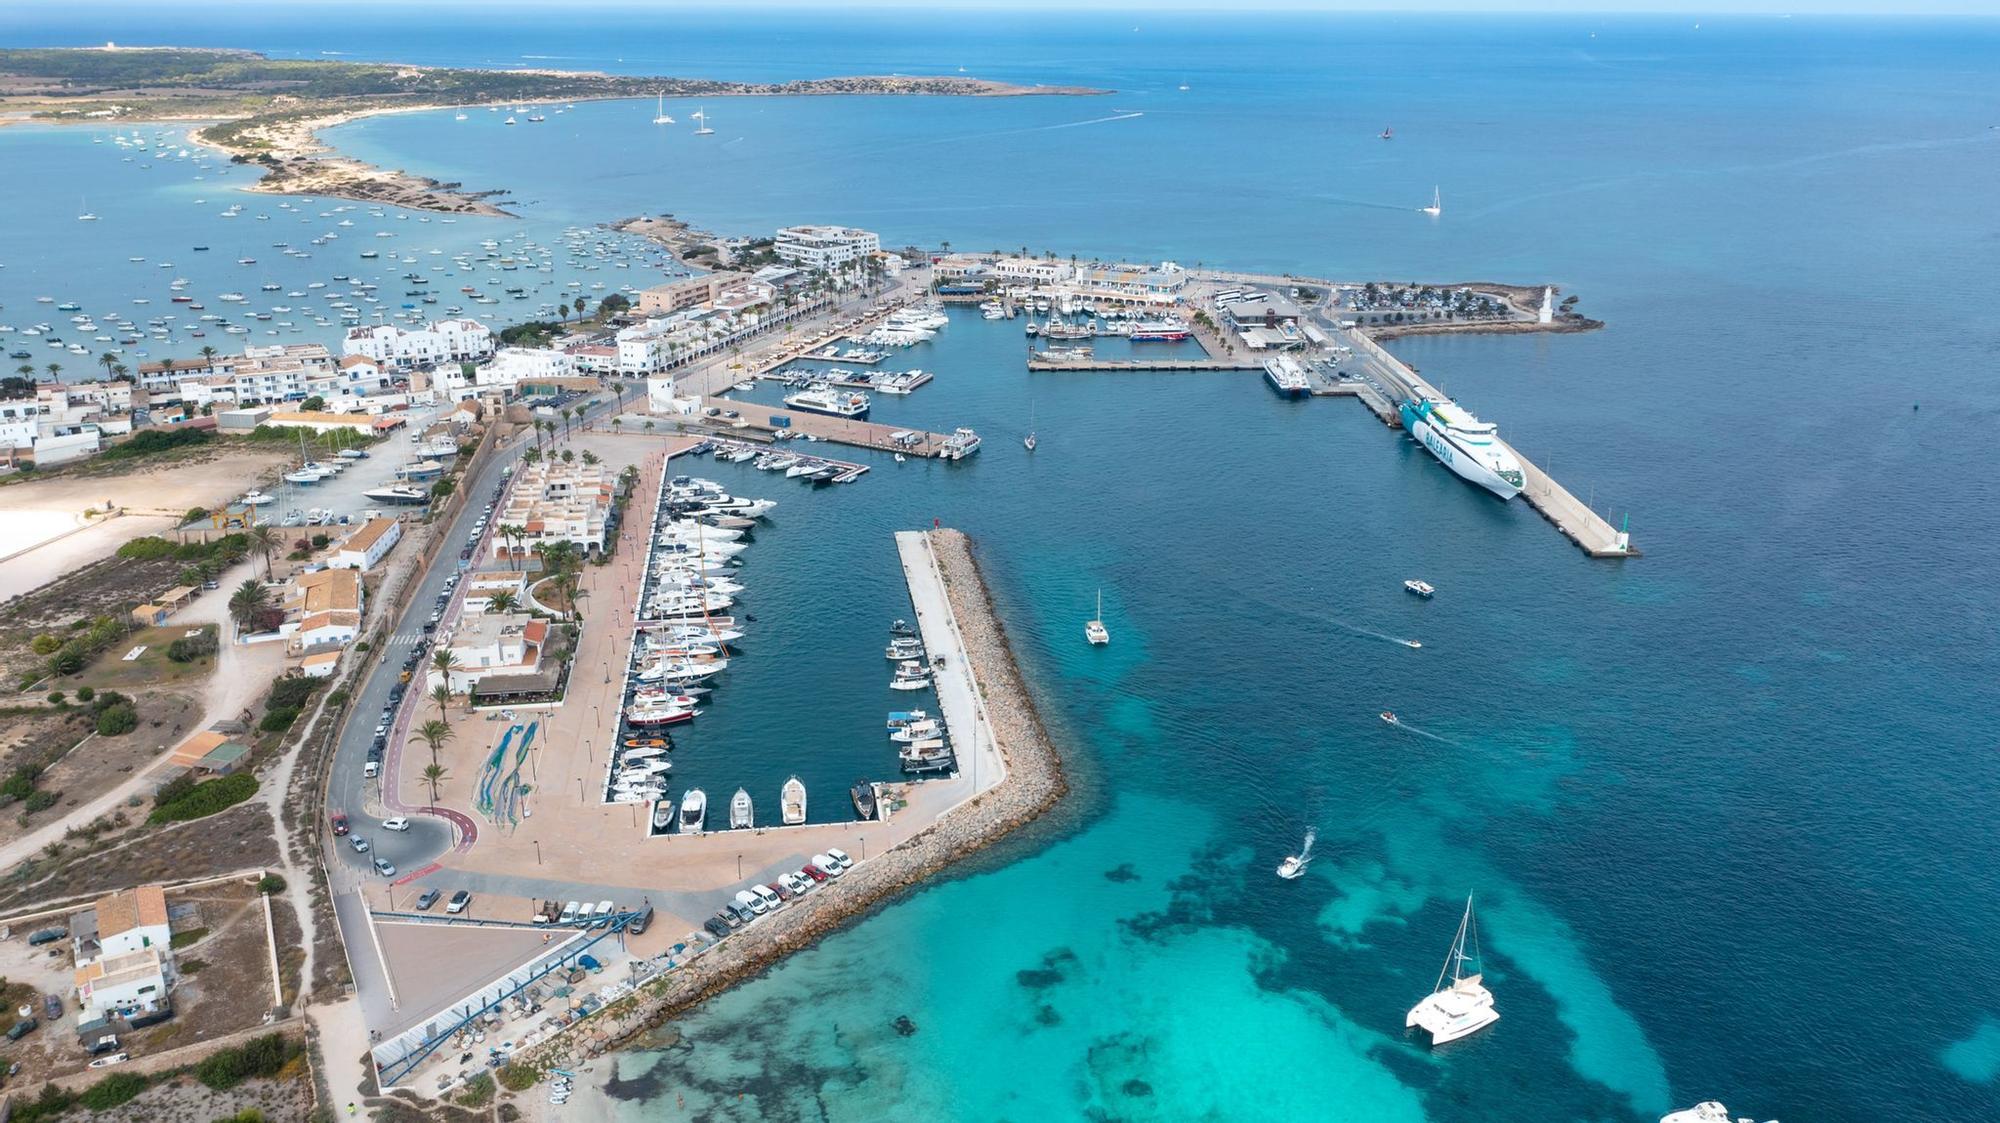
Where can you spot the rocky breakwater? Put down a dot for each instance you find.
(1034, 783)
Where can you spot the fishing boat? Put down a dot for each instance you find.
(1423, 589)
(1437, 204)
(660, 111)
(694, 810)
(1295, 864)
(915, 731)
(793, 802)
(1466, 1006)
(1093, 629)
(910, 675)
(903, 647)
(900, 718)
(863, 794)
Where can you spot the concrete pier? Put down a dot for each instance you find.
(1583, 526)
(1037, 361)
(839, 430)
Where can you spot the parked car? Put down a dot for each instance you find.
(812, 873)
(798, 885)
(459, 901)
(716, 926)
(22, 1028)
(396, 824)
(783, 890)
(52, 1007)
(428, 898)
(741, 914)
(384, 868)
(339, 824)
(771, 900)
(748, 900)
(827, 865)
(46, 936)
(839, 856)
(371, 769)
(360, 844)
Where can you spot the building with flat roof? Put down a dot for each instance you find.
(132, 984)
(367, 545)
(439, 341)
(824, 248)
(550, 501)
(492, 644)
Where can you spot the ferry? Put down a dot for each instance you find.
(961, 444)
(1159, 331)
(1287, 377)
(826, 400)
(1463, 443)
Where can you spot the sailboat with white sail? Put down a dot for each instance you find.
(1437, 204)
(660, 112)
(1294, 865)
(1466, 1006)
(1094, 629)
(701, 115)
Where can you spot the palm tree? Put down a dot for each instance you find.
(649, 426)
(590, 457)
(533, 455)
(617, 424)
(567, 582)
(566, 416)
(434, 733)
(441, 694)
(264, 537)
(107, 361)
(435, 774)
(249, 599)
(619, 388)
(208, 355)
(582, 302)
(444, 662)
(55, 371)
(569, 456)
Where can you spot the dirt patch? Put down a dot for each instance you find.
(224, 973)
(151, 667)
(78, 765)
(89, 863)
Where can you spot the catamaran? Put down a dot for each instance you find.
(1296, 864)
(660, 112)
(1094, 629)
(1466, 1006)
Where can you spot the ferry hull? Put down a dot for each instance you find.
(1451, 456)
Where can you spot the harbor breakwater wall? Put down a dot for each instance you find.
(1035, 783)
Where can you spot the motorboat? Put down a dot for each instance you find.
(1423, 589)
(256, 498)
(1708, 1111)
(663, 814)
(1295, 864)
(398, 493)
(1464, 1007)
(915, 731)
(793, 802)
(644, 716)
(1390, 717)
(902, 628)
(898, 719)
(742, 815)
(694, 810)
(903, 647)
(863, 795)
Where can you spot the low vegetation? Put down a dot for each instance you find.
(184, 798)
(151, 441)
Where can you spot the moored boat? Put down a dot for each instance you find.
(863, 795)
(742, 816)
(792, 801)
(694, 810)
(1468, 446)
(1463, 1008)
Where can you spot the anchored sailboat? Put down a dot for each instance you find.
(1466, 1006)
(1094, 629)
(702, 116)
(660, 112)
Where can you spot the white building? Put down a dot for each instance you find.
(510, 367)
(1034, 270)
(367, 545)
(132, 919)
(126, 986)
(440, 341)
(824, 248)
(492, 643)
(123, 954)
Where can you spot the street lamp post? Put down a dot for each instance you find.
(538, 851)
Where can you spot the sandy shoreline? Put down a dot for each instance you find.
(1035, 782)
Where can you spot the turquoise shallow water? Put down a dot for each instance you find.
(1727, 806)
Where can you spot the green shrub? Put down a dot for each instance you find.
(204, 799)
(262, 1056)
(58, 698)
(112, 1091)
(147, 548)
(187, 649)
(477, 1092)
(279, 720)
(270, 883)
(85, 693)
(293, 691)
(157, 440)
(40, 800)
(117, 720)
(21, 784)
(192, 936)
(45, 644)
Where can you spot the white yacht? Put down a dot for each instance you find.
(850, 404)
(793, 801)
(1294, 865)
(1708, 1111)
(660, 112)
(741, 814)
(1094, 629)
(1466, 1006)
(961, 444)
(694, 811)
(1437, 204)
(1463, 443)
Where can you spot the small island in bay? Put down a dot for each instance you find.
(269, 111)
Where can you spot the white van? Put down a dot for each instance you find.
(568, 914)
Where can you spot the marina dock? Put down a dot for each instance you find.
(1041, 361)
(839, 430)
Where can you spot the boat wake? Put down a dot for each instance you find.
(1125, 115)
(1371, 633)
(1406, 727)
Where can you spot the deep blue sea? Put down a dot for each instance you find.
(1728, 807)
